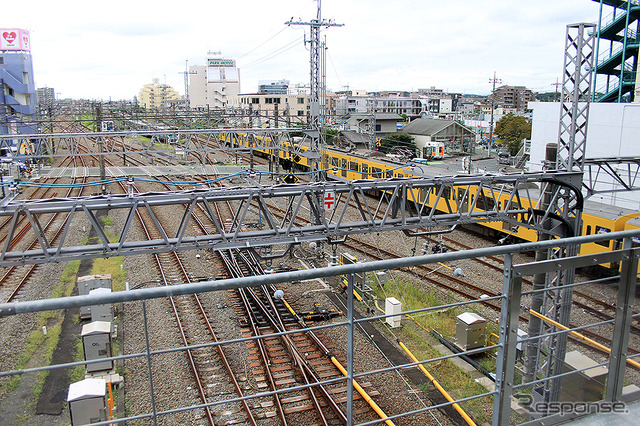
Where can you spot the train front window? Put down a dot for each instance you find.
(602, 230)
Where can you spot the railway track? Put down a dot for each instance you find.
(596, 309)
(462, 288)
(13, 279)
(303, 358)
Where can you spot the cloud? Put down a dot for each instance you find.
(383, 45)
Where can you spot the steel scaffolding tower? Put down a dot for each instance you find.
(317, 98)
(545, 357)
(617, 51)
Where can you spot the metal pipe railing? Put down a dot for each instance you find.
(506, 346)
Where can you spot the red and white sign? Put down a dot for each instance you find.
(15, 39)
(329, 200)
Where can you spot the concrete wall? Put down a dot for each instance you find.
(613, 131)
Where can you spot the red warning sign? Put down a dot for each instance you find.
(329, 200)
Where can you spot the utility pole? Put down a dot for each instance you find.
(493, 80)
(317, 96)
(186, 74)
(556, 84)
(100, 147)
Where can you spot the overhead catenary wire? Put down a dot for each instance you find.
(263, 43)
(274, 53)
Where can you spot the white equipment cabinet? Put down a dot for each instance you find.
(88, 283)
(87, 401)
(102, 312)
(393, 306)
(96, 340)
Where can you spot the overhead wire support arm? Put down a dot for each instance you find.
(250, 203)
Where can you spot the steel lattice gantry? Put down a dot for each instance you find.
(273, 210)
(545, 357)
(317, 84)
(165, 143)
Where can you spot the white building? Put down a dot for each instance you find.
(613, 131)
(213, 85)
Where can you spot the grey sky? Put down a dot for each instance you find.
(113, 50)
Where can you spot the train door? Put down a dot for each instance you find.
(345, 167)
(426, 152)
(365, 171)
(463, 200)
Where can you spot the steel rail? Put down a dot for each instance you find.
(236, 271)
(278, 325)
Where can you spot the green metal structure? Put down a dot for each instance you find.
(616, 51)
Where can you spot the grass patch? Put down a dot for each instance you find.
(106, 220)
(39, 344)
(77, 373)
(414, 334)
(111, 266)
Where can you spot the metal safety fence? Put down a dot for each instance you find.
(515, 399)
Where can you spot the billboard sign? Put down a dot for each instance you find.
(15, 39)
(222, 63)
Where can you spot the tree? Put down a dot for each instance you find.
(398, 143)
(511, 130)
(330, 136)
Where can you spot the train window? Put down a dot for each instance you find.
(446, 193)
(485, 202)
(400, 175)
(389, 174)
(506, 225)
(635, 242)
(335, 162)
(365, 171)
(602, 230)
(464, 200)
(375, 172)
(588, 231)
(353, 166)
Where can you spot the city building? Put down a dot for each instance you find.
(268, 110)
(516, 97)
(46, 97)
(17, 87)
(352, 103)
(385, 123)
(156, 95)
(432, 103)
(456, 137)
(273, 87)
(214, 84)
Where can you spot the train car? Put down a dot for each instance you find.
(633, 223)
(433, 151)
(343, 165)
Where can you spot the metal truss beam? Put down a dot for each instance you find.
(167, 143)
(268, 215)
(607, 175)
